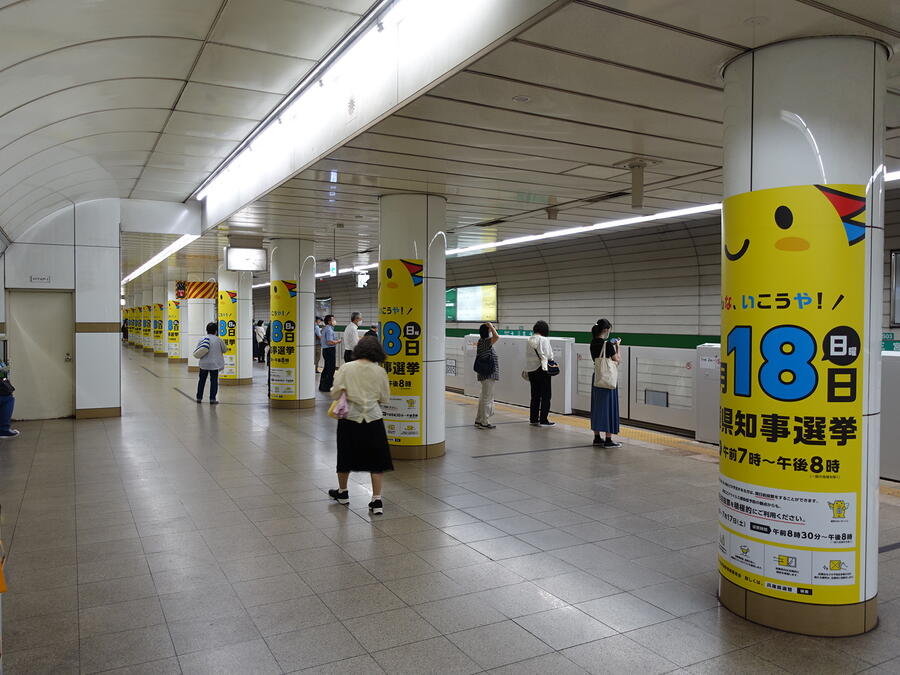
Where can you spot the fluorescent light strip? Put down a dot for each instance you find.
(572, 231)
(174, 247)
(372, 18)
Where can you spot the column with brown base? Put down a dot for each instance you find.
(411, 286)
(291, 312)
(147, 320)
(159, 312)
(235, 326)
(93, 327)
(802, 265)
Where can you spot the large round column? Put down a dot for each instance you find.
(292, 295)
(235, 325)
(159, 332)
(147, 320)
(411, 288)
(802, 268)
(173, 323)
(200, 297)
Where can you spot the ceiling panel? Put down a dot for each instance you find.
(28, 29)
(489, 90)
(531, 63)
(85, 78)
(159, 58)
(212, 99)
(618, 39)
(209, 126)
(244, 69)
(282, 27)
(761, 22)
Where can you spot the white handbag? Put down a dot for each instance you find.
(606, 371)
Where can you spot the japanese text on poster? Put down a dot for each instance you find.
(791, 443)
(283, 340)
(228, 324)
(173, 328)
(400, 302)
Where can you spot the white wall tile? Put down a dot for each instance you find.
(26, 260)
(96, 283)
(57, 228)
(97, 222)
(97, 370)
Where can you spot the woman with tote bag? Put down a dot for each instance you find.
(604, 391)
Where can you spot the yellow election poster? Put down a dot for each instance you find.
(157, 326)
(793, 331)
(173, 328)
(401, 307)
(283, 340)
(228, 331)
(146, 326)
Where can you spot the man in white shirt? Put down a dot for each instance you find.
(351, 336)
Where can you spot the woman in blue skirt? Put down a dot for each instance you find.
(604, 402)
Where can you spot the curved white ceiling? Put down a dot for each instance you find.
(142, 98)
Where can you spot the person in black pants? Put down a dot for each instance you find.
(537, 355)
(329, 354)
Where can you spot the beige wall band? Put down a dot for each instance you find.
(97, 327)
(235, 383)
(95, 413)
(177, 360)
(292, 405)
(799, 617)
(418, 451)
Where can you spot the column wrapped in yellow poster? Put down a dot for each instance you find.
(158, 344)
(791, 417)
(401, 309)
(283, 340)
(173, 329)
(228, 321)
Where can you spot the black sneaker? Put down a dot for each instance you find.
(199, 400)
(339, 497)
(214, 402)
(611, 444)
(479, 425)
(376, 507)
(488, 426)
(598, 440)
(547, 423)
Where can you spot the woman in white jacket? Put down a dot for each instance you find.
(537, 353)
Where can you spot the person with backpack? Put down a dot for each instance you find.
(604, 386)
(210, 352)
(487, 368)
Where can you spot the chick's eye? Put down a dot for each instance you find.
(783, 217)
(390, 273)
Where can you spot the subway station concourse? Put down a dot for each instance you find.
(629, 275)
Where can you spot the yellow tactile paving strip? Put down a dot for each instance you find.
(679, 444)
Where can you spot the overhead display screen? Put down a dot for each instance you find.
(472, 303)
(246, 259)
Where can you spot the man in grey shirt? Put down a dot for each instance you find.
(211, 363)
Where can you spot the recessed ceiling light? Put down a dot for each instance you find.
(521, 98)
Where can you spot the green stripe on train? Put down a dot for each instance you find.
(629, 339)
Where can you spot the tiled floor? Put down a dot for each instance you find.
(195, 539)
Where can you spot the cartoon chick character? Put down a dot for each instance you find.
(392, 273)
(795, 219)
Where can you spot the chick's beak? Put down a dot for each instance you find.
(792, 244)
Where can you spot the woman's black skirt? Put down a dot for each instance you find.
(363, 446)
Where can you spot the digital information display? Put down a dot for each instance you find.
(246, 259)
(472, 303)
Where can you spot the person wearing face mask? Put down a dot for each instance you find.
(604, 402)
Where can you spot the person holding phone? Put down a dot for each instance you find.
(604, 402)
